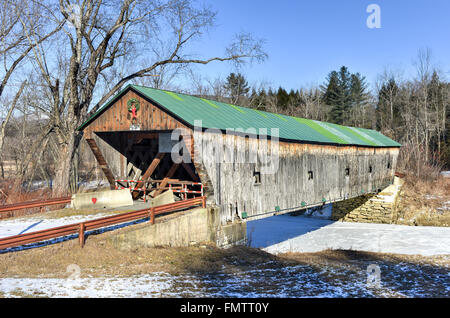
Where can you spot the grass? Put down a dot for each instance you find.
(340, 257)
(100, 258)
(421, 202)
(10, 196)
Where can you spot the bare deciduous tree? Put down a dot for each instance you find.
(101, 34)
(8, 117)
(15, 49)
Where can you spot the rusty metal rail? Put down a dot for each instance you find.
(82, 227)
(33, 204)
(399, 174)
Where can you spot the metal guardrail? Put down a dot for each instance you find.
(82, 227)
(33, 204)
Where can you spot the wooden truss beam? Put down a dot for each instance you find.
(169, 175)
(102, 162)
(189, 170)
(151, 168)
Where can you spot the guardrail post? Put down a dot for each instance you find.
(152, 216)
(203, 202)
(81, 234)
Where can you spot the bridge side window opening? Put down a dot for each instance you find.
(370, 169)
(347, 172)
(257, 177)
(310, 175)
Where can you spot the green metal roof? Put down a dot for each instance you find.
(224, 116)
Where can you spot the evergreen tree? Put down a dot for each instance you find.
(337, 95)
(358, 90)
(236, 87)
(331, 89)
(294, 98)
(342, 91)
(282, 98)
(360, 114)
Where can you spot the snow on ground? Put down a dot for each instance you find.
(22, 225)
(36, 222)
(40, 184)
(396, 280)
(93, 184)
(445, 174)
(276, 235)
(285, 233)
(445, 207)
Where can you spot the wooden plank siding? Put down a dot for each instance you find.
(234, 189)
(231, 185)
(118, 118)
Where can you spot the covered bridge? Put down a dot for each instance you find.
(249, 162)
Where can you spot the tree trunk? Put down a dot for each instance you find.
(62, 171)
(64, 168)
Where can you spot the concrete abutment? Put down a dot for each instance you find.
(194, 227)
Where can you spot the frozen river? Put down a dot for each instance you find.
(284, 233)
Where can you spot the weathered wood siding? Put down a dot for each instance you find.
(112, 133)
(118, 118)
(234, 188)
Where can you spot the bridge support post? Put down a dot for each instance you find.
(152, 216)
(81, 235)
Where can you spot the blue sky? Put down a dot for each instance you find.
(305, 40)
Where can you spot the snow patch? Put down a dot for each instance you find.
(318, 280)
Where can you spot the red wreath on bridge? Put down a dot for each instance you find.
(133, 106)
